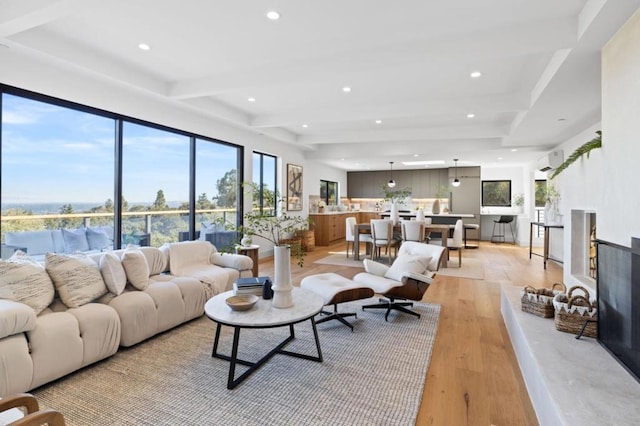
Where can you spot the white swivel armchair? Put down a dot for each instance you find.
(407, 279)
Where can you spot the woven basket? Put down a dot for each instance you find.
(539, 301)
(573, 311)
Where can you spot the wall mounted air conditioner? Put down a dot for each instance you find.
(551, 161)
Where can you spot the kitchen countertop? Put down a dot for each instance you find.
(347, 212)
(413, 213)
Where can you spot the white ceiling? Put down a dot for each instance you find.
(407, 62)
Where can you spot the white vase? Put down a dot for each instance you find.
(395, 214)
(282, 288)
(245, 241)
(420, 215)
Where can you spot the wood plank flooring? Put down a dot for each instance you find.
(473, 378)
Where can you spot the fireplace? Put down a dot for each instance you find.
(618, 284)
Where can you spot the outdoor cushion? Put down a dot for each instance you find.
(75, 240)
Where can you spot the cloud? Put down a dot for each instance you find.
(13, 117)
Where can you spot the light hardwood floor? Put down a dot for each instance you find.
(473, 378)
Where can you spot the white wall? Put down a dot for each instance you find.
(605, 182)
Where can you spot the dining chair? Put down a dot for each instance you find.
(350, 224)
(412, 230)
(382, 236)
(456, 241)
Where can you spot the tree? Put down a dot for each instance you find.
(160, 203)
(227, 187)
(203, 202)
(108, 205)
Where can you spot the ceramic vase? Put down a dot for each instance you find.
(435, 208)
(420, 215)
(282, 288)
(395, 214)
(246, 241)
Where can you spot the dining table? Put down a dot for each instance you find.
(365, 228)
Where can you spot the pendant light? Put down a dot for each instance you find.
(456, 181)
(391, 183)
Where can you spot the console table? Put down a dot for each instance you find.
(545, 254)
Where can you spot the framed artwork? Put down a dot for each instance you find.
(294, 187)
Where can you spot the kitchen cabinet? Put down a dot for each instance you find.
(329, 227)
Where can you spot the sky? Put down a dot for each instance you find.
(56, 154)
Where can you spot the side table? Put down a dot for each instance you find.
(252, 252)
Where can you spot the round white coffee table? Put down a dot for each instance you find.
(263, 315)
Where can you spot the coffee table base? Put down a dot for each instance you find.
(232, 381)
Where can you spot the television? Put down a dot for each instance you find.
(618, 286)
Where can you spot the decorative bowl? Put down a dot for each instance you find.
(242, 302)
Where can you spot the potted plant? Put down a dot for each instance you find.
(278, 228)
(396, 198)
(518, 202)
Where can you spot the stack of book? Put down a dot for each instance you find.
(251, 285)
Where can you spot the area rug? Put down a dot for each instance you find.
(372, 376)
(341, 259)
(471, 268)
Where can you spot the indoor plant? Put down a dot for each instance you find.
(278, 228)
(518, 202)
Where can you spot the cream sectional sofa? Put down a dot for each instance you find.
(82, 308)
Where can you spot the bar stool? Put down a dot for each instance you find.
(471, 226)
(501, 229)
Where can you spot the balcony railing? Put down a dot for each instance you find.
(133, 222)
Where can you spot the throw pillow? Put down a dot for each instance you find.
(76, 278)
(25, 281)
(407, 263)
(113, 273)
(136, 267)
(75, 240)
(97, 239)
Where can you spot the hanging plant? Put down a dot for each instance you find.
(579, 152)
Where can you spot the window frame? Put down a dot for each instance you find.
(271, 211)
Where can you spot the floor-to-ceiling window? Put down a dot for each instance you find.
(155, 184)
(69, 166)
(264, 181)
(217, 178)
(57, 167)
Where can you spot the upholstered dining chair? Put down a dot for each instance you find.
(456, 241)
(350, 224)
(412, 230)
(407, 279)
(382, 236)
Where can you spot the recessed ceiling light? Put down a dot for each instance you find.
(378, 121)
(416, 155)
(273, 15)
(144, 46)
(471, 115)
(514, 150)
(305, 125)
(475, 74)
(251, 99)
(499, 158)
(346, 89)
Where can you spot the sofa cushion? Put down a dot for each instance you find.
(209, 228)
(98, 239)
(75, 240)
(113, 273)
(76, 278)
(35, 242)
(136, 267)
(25, 281)
(406, 264)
